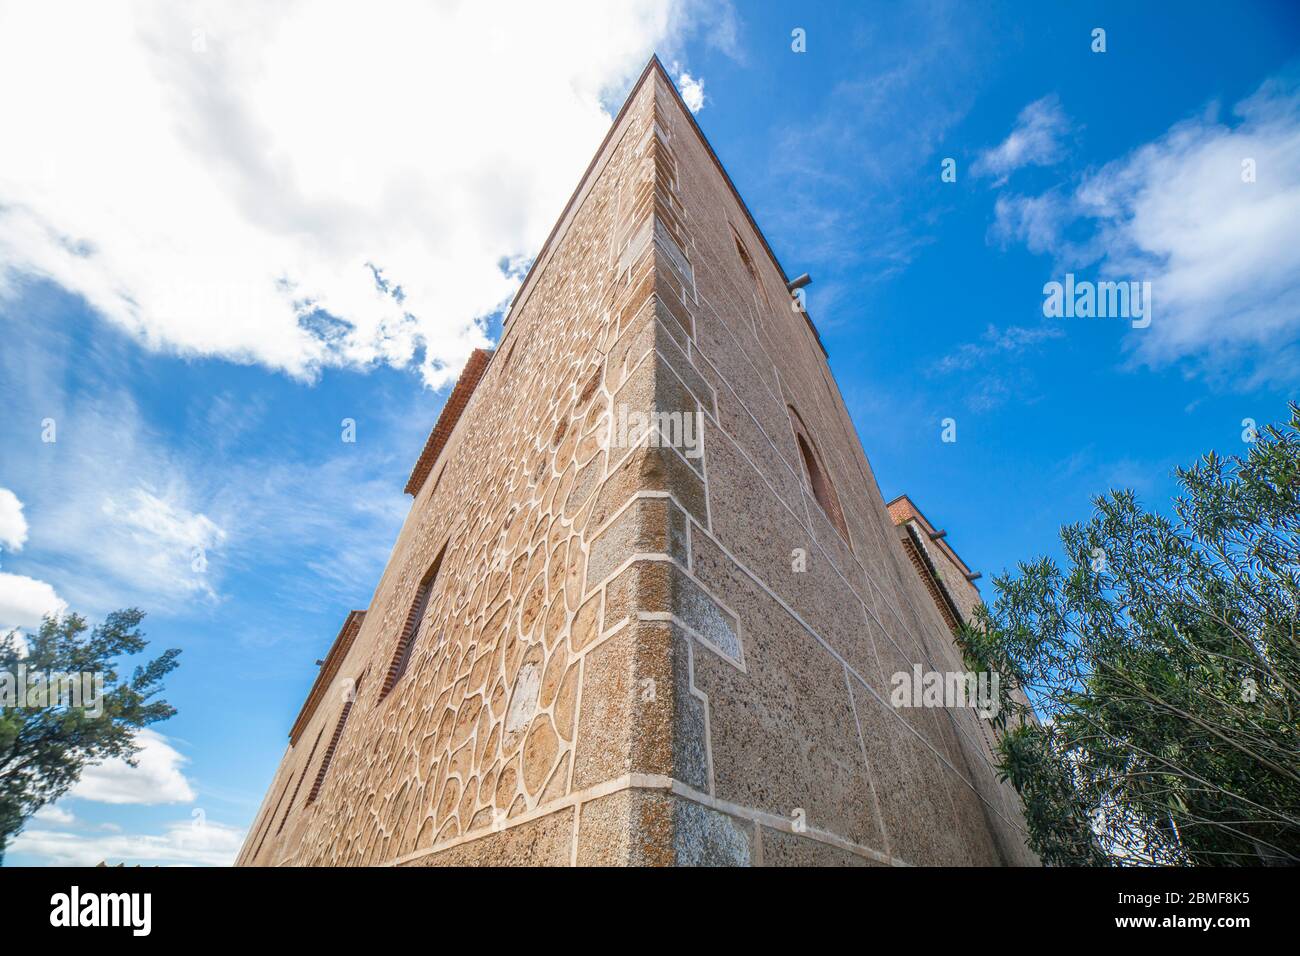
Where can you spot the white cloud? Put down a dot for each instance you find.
(296, 184)
(24, 601)
(116, 512)
(13, 526)
(1220, 253)
(55, 815)
(692, 91)
(183, 842)
(719, 27)
(1034, 141)
(156, 778)
(146, 544)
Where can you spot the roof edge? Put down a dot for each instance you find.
(525, 287)
(333, 660)
(941, 542)
(460, 395)
(726, 177)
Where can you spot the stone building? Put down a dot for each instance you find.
(648, 599)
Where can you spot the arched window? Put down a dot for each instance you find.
(818, 480)
(749, 267)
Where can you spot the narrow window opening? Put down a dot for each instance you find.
(749, 266)
(411, 629)
(822, 488)
(302, 776)
(334, 743)
(744, 256)
(270, 820)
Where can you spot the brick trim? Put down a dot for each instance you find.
(447, 419)
(333, 660)
(928, 575)
(419, 607)
(266, 830)
(333, 745)
(301, 777)
(902, 509)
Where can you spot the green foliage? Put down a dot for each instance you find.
(1165, 659)
(43, 749)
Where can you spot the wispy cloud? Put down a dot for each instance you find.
(990, 371)
(1088, 471)
(55, 815)
(1012, 340)
(717, 24)
(121, 517)
(1034, 141)
(1207, 214)
(846, 172)
(170, 541)
(123, 513)
(1037, 221)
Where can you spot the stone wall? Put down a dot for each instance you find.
(619, 663)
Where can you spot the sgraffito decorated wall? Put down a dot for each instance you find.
(648, 600)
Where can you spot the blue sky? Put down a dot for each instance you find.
(213, 250)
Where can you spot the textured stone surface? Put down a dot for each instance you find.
(546, 841)
(783, 734)
(790, 849)
(638, 714)
(648, 526)
(703, 836)
(655, 828)
(627, 828)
